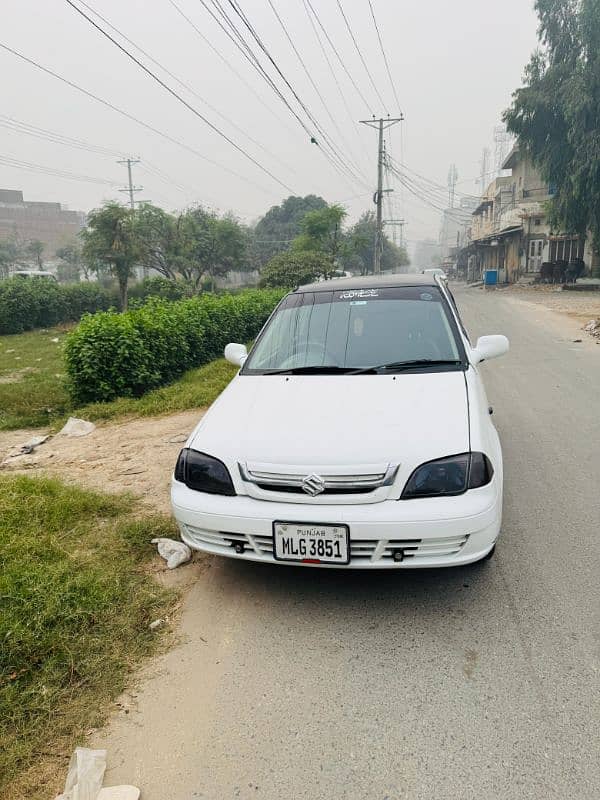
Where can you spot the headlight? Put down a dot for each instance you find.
(203, 473)
(449, 476)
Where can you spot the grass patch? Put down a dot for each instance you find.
(195, 389)
(75, 605)
(32, 391)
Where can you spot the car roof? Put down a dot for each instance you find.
(370, 282)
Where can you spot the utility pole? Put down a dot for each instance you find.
(381, 125)
(485, 169)
(452, 181)
(130, 189)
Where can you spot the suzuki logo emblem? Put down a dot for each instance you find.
(313, 485)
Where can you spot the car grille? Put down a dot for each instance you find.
(330, 483)
(367, 551)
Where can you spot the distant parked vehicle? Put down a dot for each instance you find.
(436, 271)
(34, 273)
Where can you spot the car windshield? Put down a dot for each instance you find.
(357, 329)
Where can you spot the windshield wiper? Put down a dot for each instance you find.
(322, 370)
(399, 366)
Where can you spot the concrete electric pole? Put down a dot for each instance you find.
(381, 125)
(130, 188)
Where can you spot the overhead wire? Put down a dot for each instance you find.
(131, 117)
(384, 54)
(351, 119)
(185, 85)
(362, 58)
(339, 58)
(9, 161)
(331, 152)
(312, 81)
(178, 97)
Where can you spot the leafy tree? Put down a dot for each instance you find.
(361, 248)
(110, 239)
(322, 232)
(273, 232)
(69, 270)
(294, 268)
(556, 113)
(34, 250)
(9, 256)
(162, 238)
(213, 245)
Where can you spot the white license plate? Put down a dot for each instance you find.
(311, 544)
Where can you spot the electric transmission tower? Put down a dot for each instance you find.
(452, 181)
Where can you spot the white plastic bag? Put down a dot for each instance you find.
(173, 552)
(85, 776)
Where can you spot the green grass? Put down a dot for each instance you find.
(75, 605)
(35, 395)
(32, 391)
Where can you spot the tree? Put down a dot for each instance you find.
(110, 239)
(322, 232)
(70, 269)
(361, 248)
(293, 268)
(556, 113)
(34, 250)
(162, 238)
(274, 232)
(9, 256)
(213, 245)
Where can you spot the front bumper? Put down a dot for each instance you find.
(433, 532)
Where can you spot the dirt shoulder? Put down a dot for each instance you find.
(579, 306)
(135, 456)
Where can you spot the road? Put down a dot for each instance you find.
(478, 682)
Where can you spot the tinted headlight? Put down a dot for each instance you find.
(203, 473)
(449, 476)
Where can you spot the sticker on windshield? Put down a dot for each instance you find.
(426, 296)
(358, 302)
(351, 295)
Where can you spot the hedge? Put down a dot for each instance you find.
(28, 303)
(112, 355)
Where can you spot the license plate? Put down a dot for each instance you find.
(311, 544)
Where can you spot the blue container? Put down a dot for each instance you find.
(490, 277)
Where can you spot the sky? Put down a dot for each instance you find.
(453, 66)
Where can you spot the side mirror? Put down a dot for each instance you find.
(236, 354)
(489, 347)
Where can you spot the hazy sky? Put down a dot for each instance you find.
(454, 66)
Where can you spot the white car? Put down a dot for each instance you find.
(436, 271)
(357, 434)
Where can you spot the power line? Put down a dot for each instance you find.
(228, 64)
(310, 78)
(333, 74)
(339, 58)
(182, 83)
(359, 51)
(9, 161)
(129, 116)
(234, 34)
(17, 126)
(383, 53)
(178, 97)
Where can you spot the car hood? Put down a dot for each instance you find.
(337, 419)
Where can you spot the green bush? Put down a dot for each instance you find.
(112, 355)
(28, 303)
(160, 287)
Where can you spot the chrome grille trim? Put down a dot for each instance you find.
(359, 482)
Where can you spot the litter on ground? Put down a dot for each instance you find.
(173, 552)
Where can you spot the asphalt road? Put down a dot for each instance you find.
(480, 682)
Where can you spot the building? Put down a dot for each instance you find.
(509, 230)
(23, 221)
